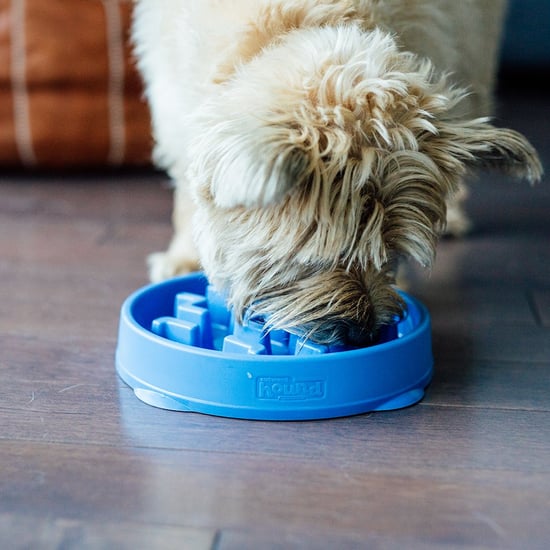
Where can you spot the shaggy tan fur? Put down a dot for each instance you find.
(319, 142)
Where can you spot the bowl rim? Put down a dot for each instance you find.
(127, 311)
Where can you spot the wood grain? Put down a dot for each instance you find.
(236, 491)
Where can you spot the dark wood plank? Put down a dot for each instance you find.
(246, 492)
(541, 305)
(105, 412)
(490, 342)
(137, 196)
(521, 385)
(65, 304)
(22, 531)
(491, 259)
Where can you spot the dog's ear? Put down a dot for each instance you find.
(416, 184)
(478, 143)
(243, 162)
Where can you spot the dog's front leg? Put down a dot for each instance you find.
(181, 256)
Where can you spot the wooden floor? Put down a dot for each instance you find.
(84, 464)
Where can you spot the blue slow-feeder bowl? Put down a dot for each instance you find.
(179, 348)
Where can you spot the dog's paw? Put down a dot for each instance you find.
(163, 265)
(458, 224)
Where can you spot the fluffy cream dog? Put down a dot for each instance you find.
(314, 142)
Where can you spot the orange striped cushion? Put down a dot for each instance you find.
(69, 91)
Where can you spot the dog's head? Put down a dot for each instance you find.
(322, 160)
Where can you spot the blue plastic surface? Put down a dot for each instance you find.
(179, 348)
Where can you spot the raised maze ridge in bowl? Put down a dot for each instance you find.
(204, 321)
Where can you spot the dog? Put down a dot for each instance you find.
(315, 143)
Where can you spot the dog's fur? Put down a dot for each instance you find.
(314, 142)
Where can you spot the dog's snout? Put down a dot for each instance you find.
(359, 335)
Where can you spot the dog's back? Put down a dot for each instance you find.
(461, 37)
(181, 45)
